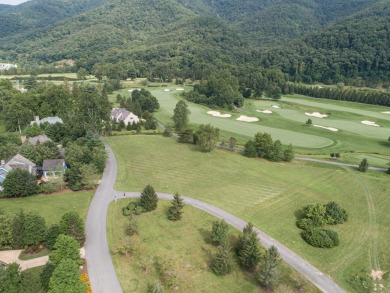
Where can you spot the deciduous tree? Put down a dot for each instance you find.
(180, 116)
(66, 278)
(65, 248)
(19, 183)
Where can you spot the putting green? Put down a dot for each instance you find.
(199, 115)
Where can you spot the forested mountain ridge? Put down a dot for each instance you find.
(182, 35)
(35, 14)
(355, 48)
(4, 7)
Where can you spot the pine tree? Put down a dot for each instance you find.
(219, 232)
(71, 224)
(246, 232)
(148, 199)
(363, 167)
(175, 211)
(18, 230)
(268, 273)
(221, 263)
(249, 256)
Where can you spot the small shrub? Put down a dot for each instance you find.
(132, 227)
(335, 214)
(362, 282)
(306, 224)
(132, 208)
(322, 238)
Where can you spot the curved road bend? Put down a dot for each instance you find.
(100, 267)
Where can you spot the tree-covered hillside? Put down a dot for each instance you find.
(355, 48)
(41, 14)
(4, 7)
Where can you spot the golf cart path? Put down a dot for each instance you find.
(101, 269)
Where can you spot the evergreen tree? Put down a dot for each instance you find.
(45, 276)
(363, 167)
(19, 182)
(65, 248)
(148, 200)
(221, 263)
(71, 224)
(249, 256)
(219, 232)
(18, 230)
(66, 278)
(11, 280)
(180, 116)
(34, 229)
(51, 236)
(268, 273)
(175, 210)
(6, 227)
(246, 232)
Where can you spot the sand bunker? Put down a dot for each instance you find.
(386, 112)
(265, 111)
(167, 90)
(218, 114)
(316, 114)
(328, 128)
(369, 123)
(275, 107)
(180, 89)
(247, 119)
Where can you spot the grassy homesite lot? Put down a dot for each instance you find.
(268, 194)
(51, 207)
(288, 122)
(186, 242)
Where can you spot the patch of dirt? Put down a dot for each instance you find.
(84, 270)
(377, 275)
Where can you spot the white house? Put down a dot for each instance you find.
(6, 66)
(121, 114)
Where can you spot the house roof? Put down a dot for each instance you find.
(41, 138)
(121, 114)
(49, 165)
(50, 120)
(20, 162)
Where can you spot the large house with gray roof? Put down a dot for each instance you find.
(17, 162)
(121, 114)
(50, 120)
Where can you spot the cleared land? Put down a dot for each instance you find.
(51, 207)
(267, 194)
(188, 246)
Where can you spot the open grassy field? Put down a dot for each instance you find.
(287, 123)
(185, 242)
(51, 207)
(269, 194)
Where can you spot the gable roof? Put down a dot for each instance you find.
(55, 164)
(18, 161)
(120, 113)
(41, 138)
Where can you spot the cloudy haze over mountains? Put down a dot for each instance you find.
(12, 2)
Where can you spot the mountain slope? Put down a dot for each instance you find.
(4, 7)
(41, 13)
(354, 48)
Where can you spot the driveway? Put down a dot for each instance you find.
(100, 267)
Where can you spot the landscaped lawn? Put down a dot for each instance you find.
(51, 207)
(185, 242)
(268, 194)
(288, 122)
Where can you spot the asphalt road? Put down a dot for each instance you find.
(100, 267)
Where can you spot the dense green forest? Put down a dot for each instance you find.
(4, 7)
(332, 41)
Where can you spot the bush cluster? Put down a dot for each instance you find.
(133, 208)
(319, 237)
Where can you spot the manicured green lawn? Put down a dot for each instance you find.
(51, 207)
(185, 242)
(268, 194)
(288, 122)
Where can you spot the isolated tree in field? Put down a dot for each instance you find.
(175, 210)
(19, 183)
(288, 153)
(34, 229)
(249, 256)
(221, 263)
(268, 273)
(219, 232)
(71, 224)
(82, 73)
(309, 122)
(181, 116)
(149, 199)
(363, 167)
(66, 278)
(65, 248)
(206, 137)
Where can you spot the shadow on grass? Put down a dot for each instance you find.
(206, 235)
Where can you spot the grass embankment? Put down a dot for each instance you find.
(268, 194)
(186, 243)
(287, 123)
(51, 207)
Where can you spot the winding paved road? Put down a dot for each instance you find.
(100, 267)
